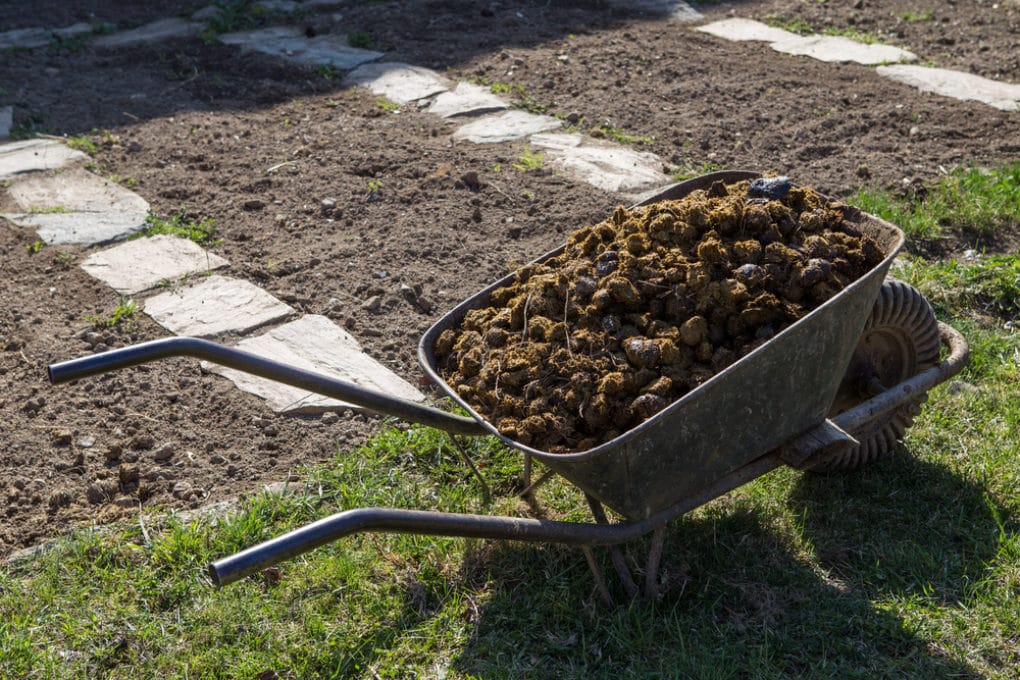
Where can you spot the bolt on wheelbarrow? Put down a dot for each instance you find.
(834, 390)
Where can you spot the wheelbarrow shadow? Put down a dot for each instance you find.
(739, 599)
(903, 526)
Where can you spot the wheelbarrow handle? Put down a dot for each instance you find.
(247, 362)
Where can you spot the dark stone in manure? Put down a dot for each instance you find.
(773, 188)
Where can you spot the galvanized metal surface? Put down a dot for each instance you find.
(779, 391)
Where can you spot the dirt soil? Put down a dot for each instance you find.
(363, 199)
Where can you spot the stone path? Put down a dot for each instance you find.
(66, 204)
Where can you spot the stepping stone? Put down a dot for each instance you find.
(82, 228)
(675, 9)
(73, 31)
(506, 127)
(35, 155)
(956, 84)
(467, 99)
(164, 29)
(738, 30)
(74, 190)
(25, 38)
(836, 48)
(282, 6)
(6, 121)
(602, 164)
(215, 305)
(831, 48)
(291, 42)
(400, 83)
(144, 263)
(317, 344)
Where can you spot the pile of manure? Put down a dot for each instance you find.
(645, 306)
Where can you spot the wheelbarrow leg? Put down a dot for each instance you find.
(600, 581)
(652, 565)
(619, 562)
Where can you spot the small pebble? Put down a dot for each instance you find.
(164, 452)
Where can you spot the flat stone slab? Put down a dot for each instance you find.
(831, 48)
(74, 190)
(144, 263)
(506, 127)
(26, 38)
(36, 155)
(956, 84)
(316, 344)
(82, 228)
(73, 31)
(164, 29)
(290, 42)
(400, 83)
(604, 165)
(6, 121)
(737, 29)
(675, 9)
(467, 99)
(836, 48)
(214, 306)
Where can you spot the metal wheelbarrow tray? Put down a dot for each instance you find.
(772, 407)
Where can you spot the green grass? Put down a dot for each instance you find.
(971, 202)
(181, 224)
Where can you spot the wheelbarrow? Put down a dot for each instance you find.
(833, 391)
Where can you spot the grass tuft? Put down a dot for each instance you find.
(181, 224)
(972, 201)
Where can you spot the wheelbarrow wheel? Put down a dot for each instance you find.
(900, 339)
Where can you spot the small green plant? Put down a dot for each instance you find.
(359, 39)
(326, 71)
(65, 259)
(388, 105)
(617, 135)
(689, 170)
(34, 247)
(124, 181)
(794, 25)
(529, 161)
(28, 127)
(181, 224)
(854, 34)
(374, 189)
(123, 315)
(913, 16)
(502, 88)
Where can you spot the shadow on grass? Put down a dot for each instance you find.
(902, 527)
(738, 600)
